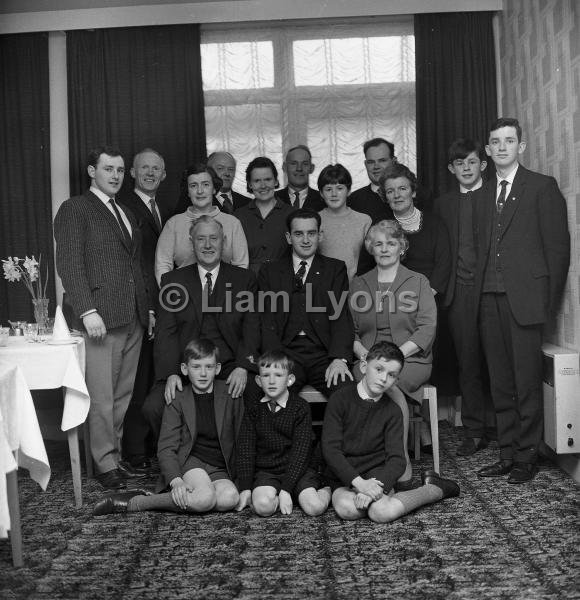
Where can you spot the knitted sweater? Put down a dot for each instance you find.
(358, 436)
(343, 237)
(279, 443)
(174, 248)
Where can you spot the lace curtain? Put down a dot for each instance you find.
(329, 85)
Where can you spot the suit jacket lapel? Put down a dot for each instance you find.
(111, 219)
(315, 271)
(189, 413)
(513, 200)
(220, 400)
(193, 286)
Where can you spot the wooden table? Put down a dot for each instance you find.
(47, 366)
(21, 445)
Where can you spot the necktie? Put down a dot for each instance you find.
(122, 225)
(274, 406)
(502, 199)
(155, 215)
(296, 203)
(298, 277)
(227, 206)
(208, 285)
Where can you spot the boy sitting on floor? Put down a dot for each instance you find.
(362, 444)
(196, 444)
(275, 446)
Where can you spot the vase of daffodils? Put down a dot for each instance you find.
(27, 271)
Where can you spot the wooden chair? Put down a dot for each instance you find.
(313, 396)
(430, 396)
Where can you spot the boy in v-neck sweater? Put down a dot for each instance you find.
(275, 446)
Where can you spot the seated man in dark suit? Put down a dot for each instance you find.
(300, 315)
(148, 171)
(298, 167)
(201, 301)
(224, 164)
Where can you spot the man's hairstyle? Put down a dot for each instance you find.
(212, 157)
(506, 122)
(302, 213)
(390, 228)
(462, 148)
(333, 174)
(276, 358)
(196, 169)
(299, 147)
(200, 348)
(394, 171)
(386, 351)
(260, 162)
(377, 142)
(94, 154)
(152, 152)
(205, 219)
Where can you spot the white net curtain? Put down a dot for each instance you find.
(330, 86)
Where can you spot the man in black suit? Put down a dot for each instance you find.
(227, 200)
(148, 171)
(98, 257)
(521, 234)
(201, 301)
(302, 319)
(466, 163)
(298, 167)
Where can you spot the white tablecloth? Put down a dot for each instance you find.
(46, 366)
(19, 433)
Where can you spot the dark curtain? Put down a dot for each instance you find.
(455, 88)
(25, 199)
(134, 88)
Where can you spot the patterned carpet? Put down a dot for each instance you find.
(496, 541)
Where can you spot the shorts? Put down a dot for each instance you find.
(214, 473)
(310, 479)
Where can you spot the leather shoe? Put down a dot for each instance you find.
(126, 471)
(111, 480)
(139, 464)
(115, 503)
(449, 487)
(405, 486)
(522, 472)
(469, 447)
(499, 468)
(427, 449)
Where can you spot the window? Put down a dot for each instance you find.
(330, 85)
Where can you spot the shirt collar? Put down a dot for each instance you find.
(296, 262)
(509, 177)
(281, 402)
(146, 199)
(100, 195)
(375, 188)
(464, 190)
(301, 193)
(202, 273)
(362, 393)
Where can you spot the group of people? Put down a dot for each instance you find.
(244, 301)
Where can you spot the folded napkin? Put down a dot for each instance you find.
(60, 330)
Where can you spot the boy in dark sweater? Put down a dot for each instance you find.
(275, 446)
(362, 444)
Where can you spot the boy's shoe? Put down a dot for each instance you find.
(116, 503)
(111, 480)
(128, 472)
(405, 486)
(449, 487)
(522, 472)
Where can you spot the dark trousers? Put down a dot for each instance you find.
(154, 405)
(514, 358)
(477, 412)
(135, 427)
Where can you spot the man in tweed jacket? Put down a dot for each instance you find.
(98, 260)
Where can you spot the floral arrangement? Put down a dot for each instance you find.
(26, 270)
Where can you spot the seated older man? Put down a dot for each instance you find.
(201, 301)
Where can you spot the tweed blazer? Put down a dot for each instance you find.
(99, 270)
(329, 281)
(240, 329)
(313, 199)
(179, 429)
(412, 311)
(533, 247)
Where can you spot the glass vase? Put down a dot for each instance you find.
(41, 313)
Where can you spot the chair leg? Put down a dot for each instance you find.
(75, 463)
(14, 510)
(431, 393)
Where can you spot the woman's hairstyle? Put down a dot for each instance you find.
(196, 169)
(398, 170)
(333, 174)
(386, 351)
(261, 162)
(202, 348)
(276, 358)
(388, 228)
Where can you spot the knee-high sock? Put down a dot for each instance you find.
(413, 499)
(154, 502)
